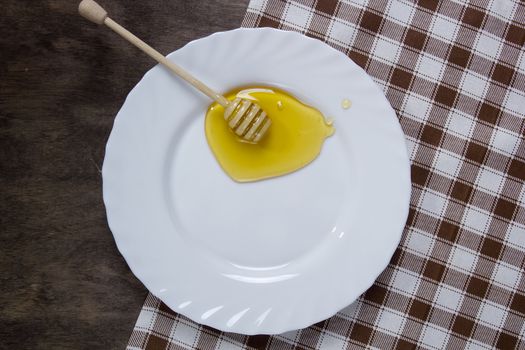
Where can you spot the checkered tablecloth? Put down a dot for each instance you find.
(455, 74)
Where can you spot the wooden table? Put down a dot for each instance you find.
(63, 284)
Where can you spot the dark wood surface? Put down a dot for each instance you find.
(63, 284)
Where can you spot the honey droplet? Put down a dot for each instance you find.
(346, 103)
(294, 139)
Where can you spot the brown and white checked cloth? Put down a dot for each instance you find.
(455, 74)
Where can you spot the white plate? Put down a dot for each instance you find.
(270, 256)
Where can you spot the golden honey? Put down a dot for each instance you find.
(294, 139)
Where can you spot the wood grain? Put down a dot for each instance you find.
(63, 284)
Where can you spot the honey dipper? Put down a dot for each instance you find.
(244, 117)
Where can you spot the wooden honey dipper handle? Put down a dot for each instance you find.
(92, 11)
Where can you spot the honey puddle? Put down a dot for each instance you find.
(294, 139)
